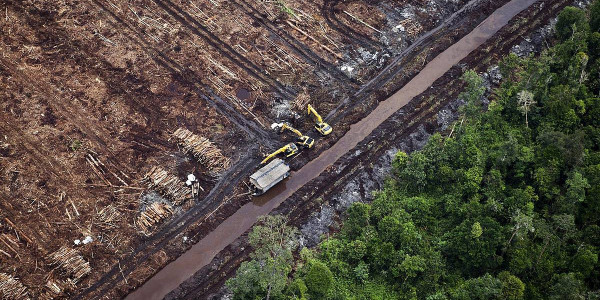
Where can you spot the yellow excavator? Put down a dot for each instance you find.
(303, 140)
(322, 127)
(288, 150)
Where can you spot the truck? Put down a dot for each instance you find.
(268, 176)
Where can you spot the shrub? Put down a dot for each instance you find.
(318, 279)
(567, 18)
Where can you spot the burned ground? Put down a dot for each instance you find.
(92, 91)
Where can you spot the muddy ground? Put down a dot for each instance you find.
(92, 90)
(316, 210)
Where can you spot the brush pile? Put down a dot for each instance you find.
(107, 217)
(411, 27)
(203, 150)
(301, 100)
(153, 215)
(11, 288)
(56, 287)
(168, 185)
(71, 262)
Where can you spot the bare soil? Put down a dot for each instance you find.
(108, 81)
(420, 114)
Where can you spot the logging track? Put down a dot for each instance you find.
(296, 46)
(210, 38)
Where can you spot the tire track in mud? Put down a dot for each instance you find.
(329, 12)
(251, 128)
(78, 118)
(210, 38)
(410, 53)
(190, 78)
(45, 162)
(156, 242)
(297, 47)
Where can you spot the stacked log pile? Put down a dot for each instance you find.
(71, 262)
(203, 150)
(168, 185)
(153, 215)
(11, 288)
(54, 287)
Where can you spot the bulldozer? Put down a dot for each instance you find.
(305, 141)
(322, 127)
(288, 150)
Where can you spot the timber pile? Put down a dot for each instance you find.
(203, 150)
(54, 287)
(167, 185)
(71, 262)
(302, 100)
(11, 288)
(153, 214)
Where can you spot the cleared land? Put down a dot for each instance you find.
(93, 92)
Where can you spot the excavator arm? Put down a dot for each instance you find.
(322, 127)
(289, 150)
(292, 129)
(303, 140)
(315, 113)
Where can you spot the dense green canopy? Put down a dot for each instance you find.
(506, 208)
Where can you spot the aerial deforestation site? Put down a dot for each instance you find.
(130, 130)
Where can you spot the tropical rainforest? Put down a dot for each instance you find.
(506, 207)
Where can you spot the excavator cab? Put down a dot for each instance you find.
(322, 127)
(290, 149)
(305, 141)
(287, 150)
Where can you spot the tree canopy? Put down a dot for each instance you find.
(506, 208)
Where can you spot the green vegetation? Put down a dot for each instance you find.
(286, 9)
(265, 276)
(75, 145)
(507, 208)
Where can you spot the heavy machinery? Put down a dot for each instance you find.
(305, 141)
(288, 150)
(268, 176)
(322, 127)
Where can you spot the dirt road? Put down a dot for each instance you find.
(202, 253)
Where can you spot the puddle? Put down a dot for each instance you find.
(242, 94)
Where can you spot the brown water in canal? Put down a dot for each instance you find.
(205, 250)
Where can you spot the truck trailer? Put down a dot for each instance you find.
(269, 175)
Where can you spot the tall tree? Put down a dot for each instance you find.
(267, 273)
